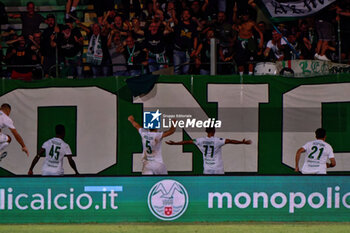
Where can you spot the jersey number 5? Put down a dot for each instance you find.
(149, 148)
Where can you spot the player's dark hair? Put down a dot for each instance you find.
(210, 130)
(5, 105)
(60, 130)
(320, 133)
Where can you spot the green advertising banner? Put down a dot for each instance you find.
(174, 198)
(278, 114)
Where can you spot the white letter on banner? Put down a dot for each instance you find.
(220, 198)
(345, 203)
(17, 201)
(311, 202)
(78, 201)
(40, 201)
(302, 115)
(292, 203)
(94, 125)
(275, 196)
(256, 199)
(55, 201)
(247, 200)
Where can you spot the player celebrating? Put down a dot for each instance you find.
(318, 152)
(152, 150)
(6, 122)
(55, 149)
(210, 147)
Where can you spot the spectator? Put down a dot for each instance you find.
(97, 54)
(21, 55)
(307, 41)
(30, 20)
(101, 7)
(135, 56)
(8, 58)
(71, 6)
(226, 37)
(35, 46)
(343, 11)
(131, 9)
(155, 45)
(3, 15)
(324, 29)
(267, 36)
(226, 54)
(203, 51)
(147, 12)
(120, 26)
(48, 52)
(116, 51)
(185, 43)
(223, 30)
(294, 49)
(275, 47)
(246, 47)
(69, 43)
(137, 33)
(170, 14)
(198, 15)
(170, 19)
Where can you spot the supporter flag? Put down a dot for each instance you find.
(284, 9)
(141, 84)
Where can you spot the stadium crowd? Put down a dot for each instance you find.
(141, 36)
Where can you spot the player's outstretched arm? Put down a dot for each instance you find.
(133, 122)
(169, 131)
(179, 143)
(72, 164)
(35, 161)
(20, 140)
(232, 141)
(297, 158)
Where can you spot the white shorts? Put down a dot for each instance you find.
(154, 168)
(313, 172)
(3, 138)
(47, 173)
(213, 171)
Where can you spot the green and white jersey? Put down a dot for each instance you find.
(211, 150)
(152, 145)
(317, 154)
(55, 150)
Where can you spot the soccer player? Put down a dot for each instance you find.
(210, 147)
(6, 122)
(317, 154)
(152, 148)
(55, 149)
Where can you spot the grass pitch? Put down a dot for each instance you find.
(249, 227)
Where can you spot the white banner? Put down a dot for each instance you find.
(298, 8)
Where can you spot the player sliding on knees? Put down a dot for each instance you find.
(210, 147)
(6, 122)
(152, 148)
